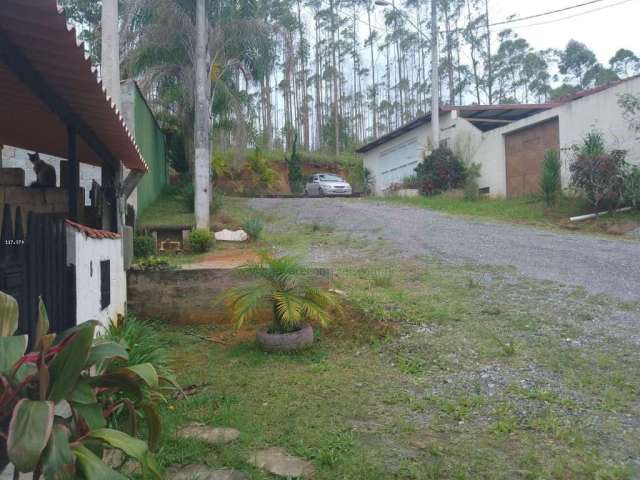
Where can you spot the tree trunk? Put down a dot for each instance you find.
(374, 86)
(202, 140)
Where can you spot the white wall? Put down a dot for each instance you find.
(17, 158)
(86, 253)
(457, 133)
(599, 111)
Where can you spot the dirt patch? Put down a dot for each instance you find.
(224, 259)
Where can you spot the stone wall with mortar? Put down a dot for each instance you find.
(186, 297)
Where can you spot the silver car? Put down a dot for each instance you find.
(327, 184)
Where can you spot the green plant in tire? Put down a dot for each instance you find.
(285, 287)
(254, 227)
(69, 372)
(550, 177)
(200, 240)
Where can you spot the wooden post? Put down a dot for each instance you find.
(73, 172)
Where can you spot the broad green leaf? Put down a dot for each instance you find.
(59, 461)
(42, 326)
(92, 414)
(93, 468)
(106, 351)
(127, 383)
(83, 393)
(132, 447)
(144, 371)
(29, 433)
(154, 424)
(69, 362)
(11, 350)
(8, 315)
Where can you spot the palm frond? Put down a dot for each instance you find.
(289, 309)
(243, 302)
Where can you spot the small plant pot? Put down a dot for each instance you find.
(285, 342)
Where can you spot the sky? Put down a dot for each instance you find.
(613, 25)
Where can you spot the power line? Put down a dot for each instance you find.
(544, 14)
(555, 20)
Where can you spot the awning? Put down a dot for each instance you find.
(48, 84)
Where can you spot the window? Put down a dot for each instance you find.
(485, 191)
(105, 284)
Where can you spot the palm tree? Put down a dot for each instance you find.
(286, 287)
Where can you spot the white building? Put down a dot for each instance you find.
(508, 141)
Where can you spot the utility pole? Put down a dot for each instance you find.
(435, 78)
(110, 55)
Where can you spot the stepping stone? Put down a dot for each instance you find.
(202, 472)
(215, 435)
(278, 462)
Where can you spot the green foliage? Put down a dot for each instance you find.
(360, 178)
(99, 383)
(259, 166)
(254, 227)
(143, 344)
(598, 173)
(471, 186)
(200, 240)
(296, 177)
(288, 289)
(411, 181)
(143, 246)
(154, 262)
(219, 165)
(550, 177)
(631, 193)
(442, 170)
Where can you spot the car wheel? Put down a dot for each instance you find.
(306, 192)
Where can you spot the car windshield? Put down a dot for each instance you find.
(330, 178)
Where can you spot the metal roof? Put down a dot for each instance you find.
(47, 82)
(489, 117)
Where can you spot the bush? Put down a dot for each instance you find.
(254, 227)
(631, 192)
(442, 170)
(200, 240)
(259, 166)
(550, 178)
(296, 178)
(471, 186)
(411, 182)
(360, 179)
(143, 246)
(600, 175)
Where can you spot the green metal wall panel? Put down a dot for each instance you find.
(153, 146)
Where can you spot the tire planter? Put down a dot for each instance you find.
(285, 342)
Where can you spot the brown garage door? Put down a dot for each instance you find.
(525, 150)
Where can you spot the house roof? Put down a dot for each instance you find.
(489, 117)
(92, 232)
(48, 82)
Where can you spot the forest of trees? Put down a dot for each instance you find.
(335, 72)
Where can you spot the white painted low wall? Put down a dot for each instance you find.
(86, 253)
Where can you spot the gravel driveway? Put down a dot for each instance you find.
(598, 264)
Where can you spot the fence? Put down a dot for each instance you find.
(33, 264)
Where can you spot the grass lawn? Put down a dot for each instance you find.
(435, 371)
(528, 210)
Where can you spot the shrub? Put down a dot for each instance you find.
(360, 179)
(296, 178)
(96, 381)
(631, 187)
(471, 186)
(600, 175)
(143, 246)
(411, 181)
(200, 240)
(254, 227)
(442, 170)
(259, 166)
(550, 177)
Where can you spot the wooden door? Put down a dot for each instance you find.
(525, 151)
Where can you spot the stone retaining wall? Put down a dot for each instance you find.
(187, 297)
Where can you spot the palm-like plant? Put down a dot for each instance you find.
(288, 288)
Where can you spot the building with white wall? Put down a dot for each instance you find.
(508, 141)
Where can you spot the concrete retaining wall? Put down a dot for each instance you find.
(187, 297)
